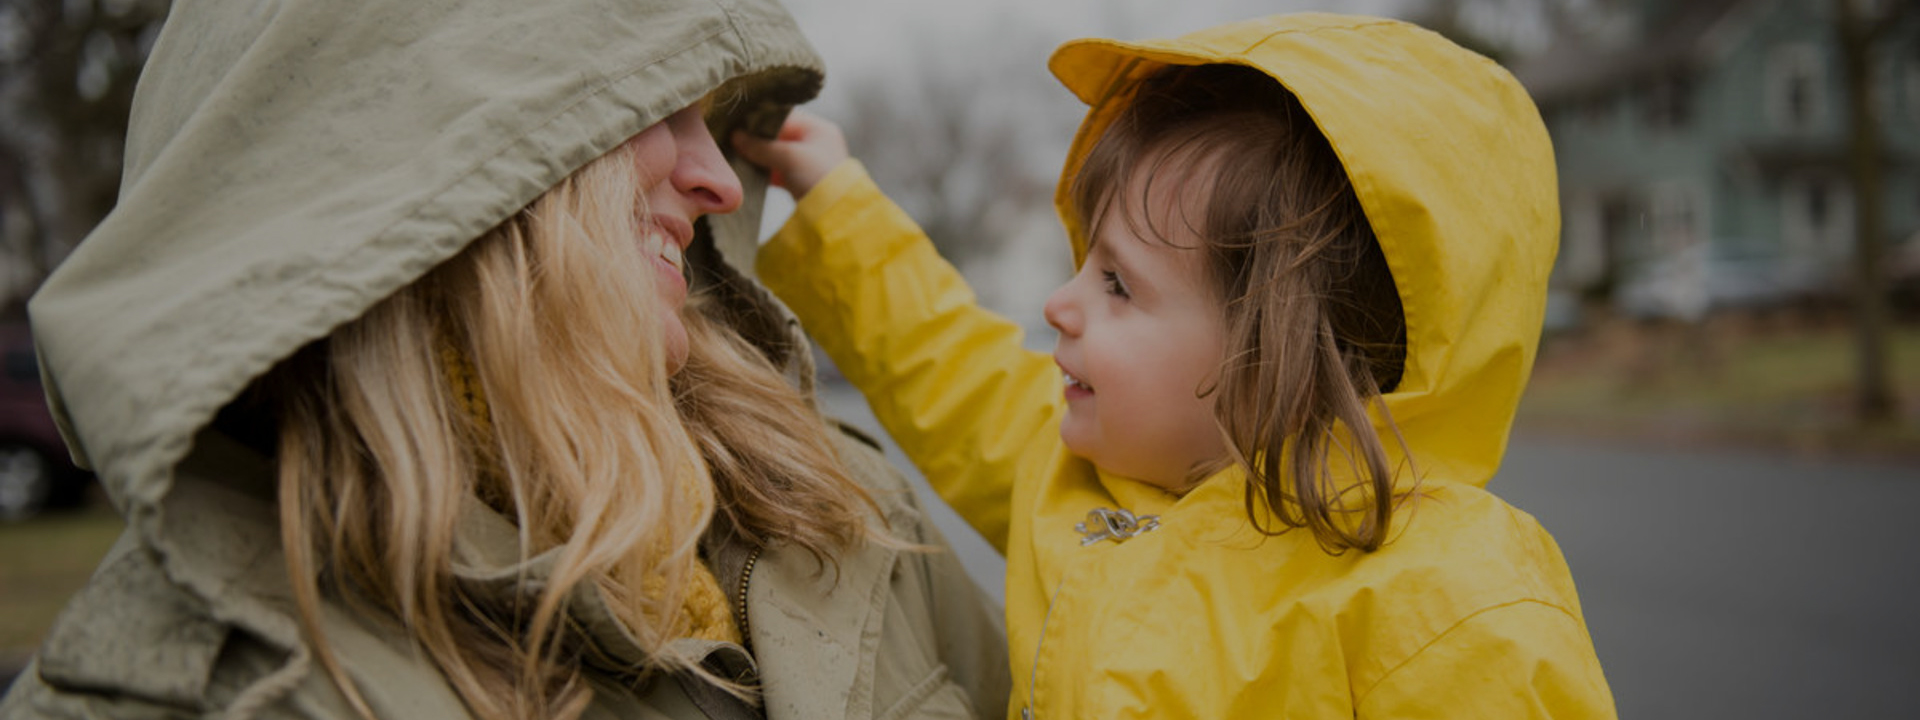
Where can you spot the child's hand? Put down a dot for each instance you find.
(809, 146)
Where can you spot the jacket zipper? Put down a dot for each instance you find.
(1118, 525)
(740, 605)
(1026, 713)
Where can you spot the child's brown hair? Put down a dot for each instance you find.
(1315, 331)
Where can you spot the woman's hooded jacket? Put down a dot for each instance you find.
(289, 165)
(1468, 611)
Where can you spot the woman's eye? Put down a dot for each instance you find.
(1114, 285)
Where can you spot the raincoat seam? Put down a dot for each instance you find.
(733, 24)
(1361, 698)
(1318, 29)
(598, 90)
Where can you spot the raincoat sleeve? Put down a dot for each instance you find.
(1524, 660)
(948, 379)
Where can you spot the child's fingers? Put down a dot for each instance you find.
(806, 127)
(755, 149)
(773, 155)
(798, 127)
(807, 147)
(803, 125)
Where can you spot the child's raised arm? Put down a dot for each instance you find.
(949, 380)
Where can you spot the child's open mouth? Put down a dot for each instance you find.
(1074, 382)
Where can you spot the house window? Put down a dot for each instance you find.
(1912, 76)
(1594, 110)
(1678, 216)
(1582, 261)
(1817, 216)
(1675, 283)
(1669, 103)
(1796, 87)
(1896, 85)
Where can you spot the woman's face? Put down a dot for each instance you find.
(682, 177)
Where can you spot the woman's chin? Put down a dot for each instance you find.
(673, 335)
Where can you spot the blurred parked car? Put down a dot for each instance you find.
(36, 472)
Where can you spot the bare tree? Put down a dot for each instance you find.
(964, 146)
(1858, 31)
(67, 70)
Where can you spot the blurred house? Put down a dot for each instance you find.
(1703, 153)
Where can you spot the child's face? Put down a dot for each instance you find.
(1141, 335)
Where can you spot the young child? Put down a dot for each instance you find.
(1313, 253)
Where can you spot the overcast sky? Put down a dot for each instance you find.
(872, 36)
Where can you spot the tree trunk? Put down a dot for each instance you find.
(61, 136)
(1874, 398)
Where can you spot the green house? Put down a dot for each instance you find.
(1703, 155)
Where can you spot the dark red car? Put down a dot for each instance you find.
(35, 470)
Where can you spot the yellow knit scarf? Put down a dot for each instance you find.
(705, 607)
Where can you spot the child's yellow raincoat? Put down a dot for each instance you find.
(1469, 612)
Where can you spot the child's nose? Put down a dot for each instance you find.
(1061, 312)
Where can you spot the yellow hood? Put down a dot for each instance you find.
(1454, 169)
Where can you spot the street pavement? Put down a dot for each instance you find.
(1716, 584)
(1720, 585)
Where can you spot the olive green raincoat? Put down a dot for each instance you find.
(1468, 612)
(289, 165)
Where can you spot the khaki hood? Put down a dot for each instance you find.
(1454, 170)
(290, 164)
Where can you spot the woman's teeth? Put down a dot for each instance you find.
(670, 251)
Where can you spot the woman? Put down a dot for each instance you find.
(387, 356)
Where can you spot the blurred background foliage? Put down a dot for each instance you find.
(67, 71)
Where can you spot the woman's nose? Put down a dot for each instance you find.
(701, 172)
(1061, 312)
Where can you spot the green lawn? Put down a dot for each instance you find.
(42, 562)
(1728, 382)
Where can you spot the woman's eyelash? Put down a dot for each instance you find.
(1114, 285)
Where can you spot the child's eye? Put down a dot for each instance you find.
(1115, 286)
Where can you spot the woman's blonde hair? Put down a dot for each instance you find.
(1315, 331)
(610, 469)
